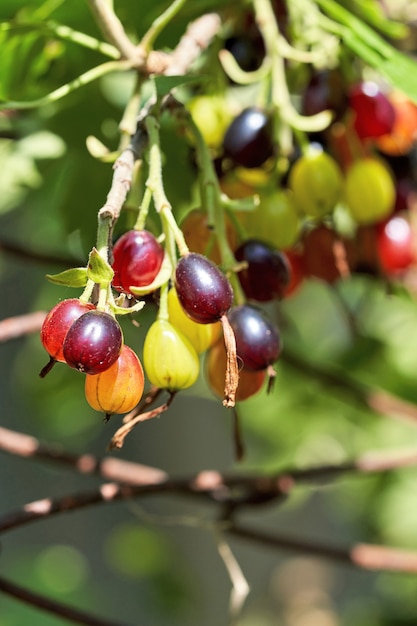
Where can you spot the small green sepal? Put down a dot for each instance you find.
(75, 277)
(98, 269)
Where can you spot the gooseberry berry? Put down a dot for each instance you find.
(93, 342)
(119, 388)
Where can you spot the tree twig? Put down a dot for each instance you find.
(361, 555)
(53, 607)
(20, 325)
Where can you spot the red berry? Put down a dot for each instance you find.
(203, 290)
(374, 113)
(395, 245)
(137, 260)
(93, 342)
(57, 323)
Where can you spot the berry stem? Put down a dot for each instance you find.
(280, 95)
(156, 186)
(143, 210)
(163, 302)
(211, 195)
(159, 24)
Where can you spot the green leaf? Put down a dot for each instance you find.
(394, 66)
(74, 277)
(165, 84)
(98, 269)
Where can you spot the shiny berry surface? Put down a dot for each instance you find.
(374, 115)
(395, 245)
(248, 139)
(119, 388)
(203, 290)
(57, 323)
(170, 360)
(267, 274)
(137, 259)
(258, 342)
(93, 342)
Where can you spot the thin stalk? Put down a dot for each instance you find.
(160, 23)
(88, 77)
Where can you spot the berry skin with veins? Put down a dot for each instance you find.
(137, 259)
(57, 323)
(170, 361)
(204, 292)
(93, 343)
(119, 388)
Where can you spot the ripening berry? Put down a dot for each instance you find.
(170, 361)
(202, 336)
(119, 388)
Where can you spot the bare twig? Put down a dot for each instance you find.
(113, 30)
(267, 486)
(210, 485)
(108, 468)
(52, 606)
(364, 556)
(20, 325)
(22, 251)
(120, 435)
(197, 38)
(240, 586)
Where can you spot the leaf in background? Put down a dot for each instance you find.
(393, 65)
(372, 12)
(18, 174)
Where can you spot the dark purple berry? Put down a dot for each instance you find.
(267, 274)
(249, 138)
(203, 290)
(258, 342)
(93, 342)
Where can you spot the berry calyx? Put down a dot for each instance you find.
(137, 259)
(119, 388)
(204, 292)
(93, 343)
